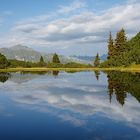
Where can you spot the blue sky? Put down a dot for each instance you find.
(67, 27)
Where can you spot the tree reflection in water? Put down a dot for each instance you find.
(4, 77)
(123, 83)
(55, 73)
(97, 74)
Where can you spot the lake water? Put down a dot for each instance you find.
(69, 106)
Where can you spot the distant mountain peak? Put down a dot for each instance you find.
(20, 47)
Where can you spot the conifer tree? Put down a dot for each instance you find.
(56, 59)
(41, 62)
(110, 47)
(120, 42)
(3, 61)
(124, 53)
(97, 60)
(41, 59)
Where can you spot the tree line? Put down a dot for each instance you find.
(122, 52)
(55, 63)
(4, 62)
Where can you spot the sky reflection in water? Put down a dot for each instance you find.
(83, 105)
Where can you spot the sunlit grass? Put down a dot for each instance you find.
(135, 68)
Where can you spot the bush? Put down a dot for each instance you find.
(54, 65)
(76, 65)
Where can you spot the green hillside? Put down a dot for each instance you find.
(122, 52)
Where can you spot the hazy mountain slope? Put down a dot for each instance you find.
(89, 58)
(25, 53)
(20, 52)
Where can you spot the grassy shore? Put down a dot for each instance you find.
(127, 69)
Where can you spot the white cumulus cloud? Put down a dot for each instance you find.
(84, 27)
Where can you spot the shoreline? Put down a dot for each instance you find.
(128, 69)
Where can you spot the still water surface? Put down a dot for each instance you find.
(69, 106)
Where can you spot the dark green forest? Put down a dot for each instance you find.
(122, 52)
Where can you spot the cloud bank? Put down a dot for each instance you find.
(75, 25)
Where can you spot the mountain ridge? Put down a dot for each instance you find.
(24, 53)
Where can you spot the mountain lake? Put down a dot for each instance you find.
(57, 105)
